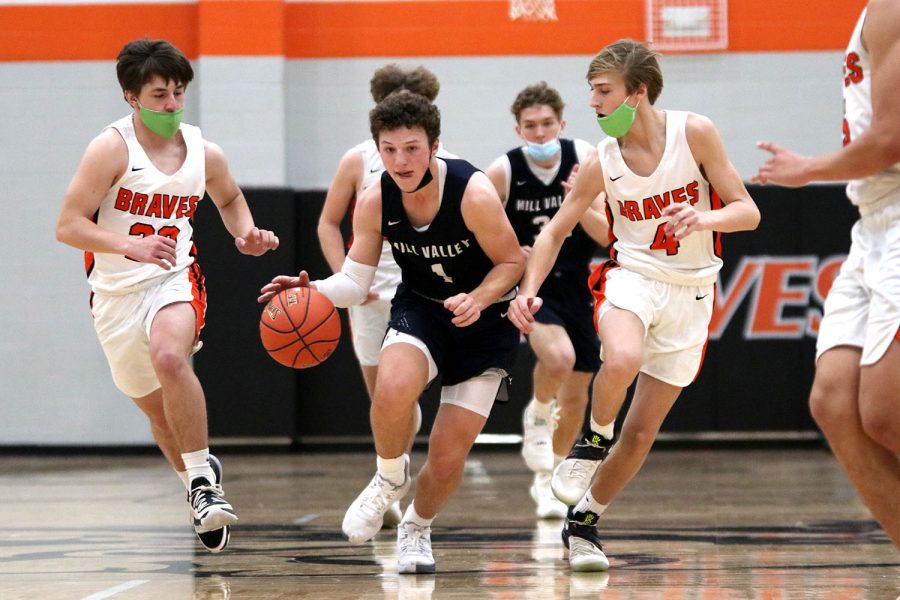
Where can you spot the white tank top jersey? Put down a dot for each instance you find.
(145, 201)
(635, 205)
(387, 277)
(883, 187)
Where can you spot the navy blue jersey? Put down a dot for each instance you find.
(531, 204)
(445, 259)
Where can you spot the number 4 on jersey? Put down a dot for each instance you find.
(663, 241)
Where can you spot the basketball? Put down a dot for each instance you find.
(300, 327)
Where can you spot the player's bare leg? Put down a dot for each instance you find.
(622, 362)
(452, 436)
(402, 376)
(172, 337)
(571, 404)
(651, 403)
(152, 406)
(836, 403)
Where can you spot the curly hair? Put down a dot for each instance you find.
(391, 78)
(405, 109)
(538, 94)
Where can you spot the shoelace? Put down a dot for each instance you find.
(377, 501)
(414, 540)
(206, 495)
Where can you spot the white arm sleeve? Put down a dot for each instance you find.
(348, 286)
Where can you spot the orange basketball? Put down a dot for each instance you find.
(300, 327)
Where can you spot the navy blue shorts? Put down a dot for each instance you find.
(568, 302)
(460, 353)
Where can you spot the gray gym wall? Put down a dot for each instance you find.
(286, 123)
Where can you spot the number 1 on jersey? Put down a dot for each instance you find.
(438, 269)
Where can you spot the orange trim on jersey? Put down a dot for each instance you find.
(715, 203)
(613, 254)
(198, 291)
(597, 284)
(349, 29)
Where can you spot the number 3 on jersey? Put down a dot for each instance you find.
(663, 241)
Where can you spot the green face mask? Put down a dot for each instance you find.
(163, 123)
(617, 123)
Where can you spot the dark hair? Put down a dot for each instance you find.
(141, 60)
(391, 78)
(538, 94)
(405, 109)
(635, 62)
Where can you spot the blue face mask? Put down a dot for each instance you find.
(544, 151)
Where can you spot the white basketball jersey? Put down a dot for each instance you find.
(635, 205)
(145, 201)
(884, 186)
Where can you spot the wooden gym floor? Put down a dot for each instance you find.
(704, 524)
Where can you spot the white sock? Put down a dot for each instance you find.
(412, 516)
(197, 465)
(541, 410)
(606, 431)
(393, 469)
(587, 503)
(184, 479)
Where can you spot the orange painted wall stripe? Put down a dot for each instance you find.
(91, 32)
(241, 27)
(392, 28)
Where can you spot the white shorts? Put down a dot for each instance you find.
(863, 306)
(676, 321)
(368, 324)
(123, 325)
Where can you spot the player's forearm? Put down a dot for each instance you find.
(595, 225)
(331, 242)
(498, 281)
(540, 261)
(734, 216)
(236, 217)
(82, 233)
(873, 151)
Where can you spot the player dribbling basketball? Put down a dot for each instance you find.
(460, 262)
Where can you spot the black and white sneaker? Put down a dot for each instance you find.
(572, 477)
(580, 536)
(209, 509)
(216, 540)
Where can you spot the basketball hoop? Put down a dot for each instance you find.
(687, 25)
(532, 10)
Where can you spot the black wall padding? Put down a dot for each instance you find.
(753, 379)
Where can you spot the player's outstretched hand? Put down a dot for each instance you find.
(154, 249)
(464, 308)
(257, 242)
(283, 282)
(521, 312)
(783, 167)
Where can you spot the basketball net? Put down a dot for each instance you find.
(532, 10)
